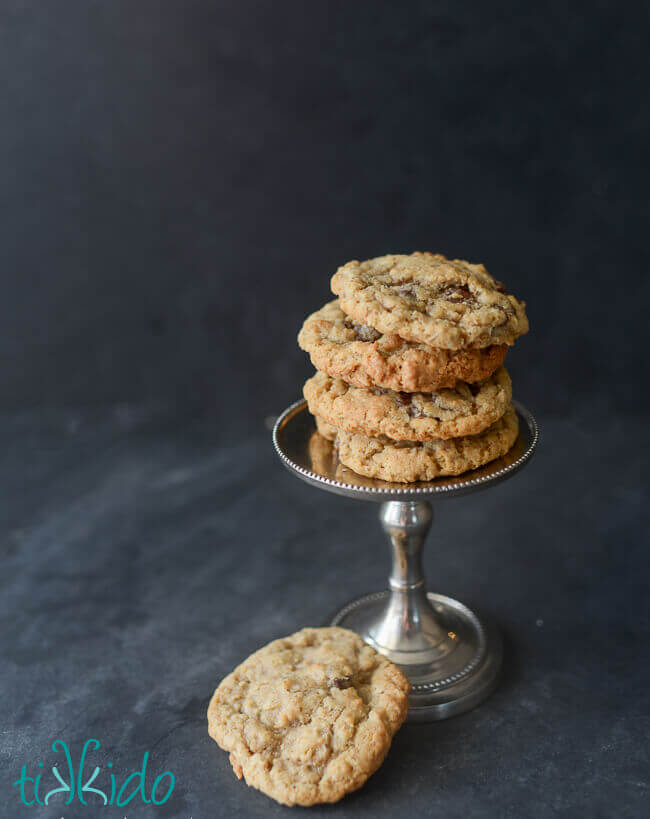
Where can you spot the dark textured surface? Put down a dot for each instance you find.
(143, 558)
(177, 183)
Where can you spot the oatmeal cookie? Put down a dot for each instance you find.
(467, 409)
(364, 357)
(326, 430)
(429, 299)
(405, 462)
(310, 717)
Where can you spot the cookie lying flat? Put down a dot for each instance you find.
(402, 462)
(429, 299)
(310, 717)
(467, 409)
(324, 461)
(364, 357)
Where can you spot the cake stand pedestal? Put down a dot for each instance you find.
(450, 654)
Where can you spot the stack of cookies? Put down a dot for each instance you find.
(411, 384)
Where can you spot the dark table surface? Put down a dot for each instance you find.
(144, 556)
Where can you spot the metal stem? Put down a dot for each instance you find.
(408, 630)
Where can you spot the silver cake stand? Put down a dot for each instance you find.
(451, 655)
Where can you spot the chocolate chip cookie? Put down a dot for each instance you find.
(405, 462)
(428, 299)
(310, 717)
(465, 409)
(326, 430)
(364, 357)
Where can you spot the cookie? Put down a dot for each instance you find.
(465, 409)
(310, 717)
(364, 357)
(428, 299)
(405, 462)
(326, 430)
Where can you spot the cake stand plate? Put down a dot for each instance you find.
(450, 654)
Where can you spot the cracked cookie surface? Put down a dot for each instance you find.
(310, 717)
(429, 299)
(406, 462)
(465, 409)
(364, 357)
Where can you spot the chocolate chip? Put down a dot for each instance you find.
(362, 331)
(342, 682)
(506, 313)
(457, 294)
(415, 411)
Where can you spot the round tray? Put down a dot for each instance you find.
(313, 459)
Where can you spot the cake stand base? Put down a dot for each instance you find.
(466, 670)
(450, 655)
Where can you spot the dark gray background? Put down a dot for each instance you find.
(178, 181)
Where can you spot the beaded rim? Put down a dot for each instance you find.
(432, 489)
(445, 682)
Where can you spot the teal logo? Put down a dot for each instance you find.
(82, 782)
